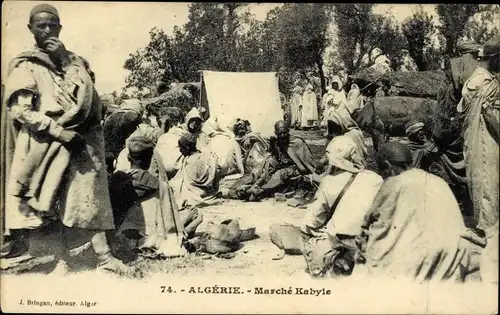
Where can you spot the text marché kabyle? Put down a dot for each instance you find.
(256, 290)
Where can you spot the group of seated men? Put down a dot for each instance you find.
(389, 225)
(192, 159)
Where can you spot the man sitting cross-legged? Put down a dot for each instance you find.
(289, 160)
(139, 211)
(332, 221)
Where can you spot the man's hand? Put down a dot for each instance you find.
(56, 49)
(314, 178)
(71, 139)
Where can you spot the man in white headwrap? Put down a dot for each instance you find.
(408, 62)
(344, 197)
(346, 167)
(418, 144)
(381, 62)
(309, 115)
(334, 98)
(355, 100)
(296, 106)
(222, 143)
(167, 149)
(414, 226)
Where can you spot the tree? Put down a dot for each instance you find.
(208, 41)
(360, 31)
(353, 22)
(418, 30)
(453, 18)
(483, 25)
(297, 35)
(251, 51)
(151, 64)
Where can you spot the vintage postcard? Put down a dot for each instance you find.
(285, 158)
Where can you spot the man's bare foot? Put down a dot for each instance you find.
(61, 268)
(14, 248)
(110, 264)
(193, 213)
(253, 198)
(190, 229)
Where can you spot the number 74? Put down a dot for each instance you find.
(165, 289)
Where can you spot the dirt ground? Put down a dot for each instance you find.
(254, 264)
(254, 258)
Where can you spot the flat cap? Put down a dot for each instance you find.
(468, 46)
(44, 7)
(139, 144)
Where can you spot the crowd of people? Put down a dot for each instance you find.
(148, 178)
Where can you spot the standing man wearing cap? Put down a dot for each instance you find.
(448, 121)
(51, 100)
(463, 66)
(480, 106)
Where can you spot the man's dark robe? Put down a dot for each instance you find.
(117, 128)
(281, 168)
(128, 187)
(448, 122)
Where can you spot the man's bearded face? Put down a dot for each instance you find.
(241, 130)
(418, 136)
(43, 26)
(283, 135)
(194, 125)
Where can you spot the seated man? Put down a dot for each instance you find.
(344, 197)
(135, 199)
(289, 160)
(167, 149)
(118, 127)
(197, 181)
(254, 149)
(340, 122)
(414, 227)
(134, 184)
(330, 212)
(222, 142)
(418, 144)
(148, 128)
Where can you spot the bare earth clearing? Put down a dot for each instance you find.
(251, 267)
(255, 258)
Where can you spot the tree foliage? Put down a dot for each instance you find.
(484, 25)
(299, 36)
(360, 31)
(418, 30)
(453, 18)
(155, 56)
(299, 41)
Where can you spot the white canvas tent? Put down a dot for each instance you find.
(253, 96)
